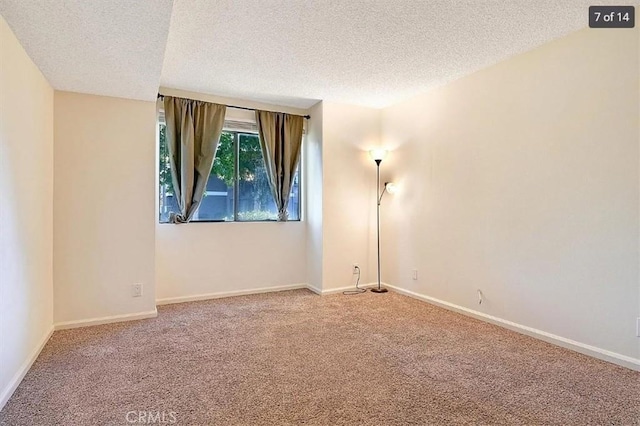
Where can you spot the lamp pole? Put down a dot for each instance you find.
(378, 289)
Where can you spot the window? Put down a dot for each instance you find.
(237, 189)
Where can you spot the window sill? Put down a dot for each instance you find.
(230, 221)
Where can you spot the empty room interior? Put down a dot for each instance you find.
(320, 212)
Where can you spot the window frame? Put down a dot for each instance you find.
(236, 181)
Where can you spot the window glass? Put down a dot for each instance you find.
(255, 201)
(217, 202)
(168, 202)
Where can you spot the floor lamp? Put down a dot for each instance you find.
(378, 155)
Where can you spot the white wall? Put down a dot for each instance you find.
(522, 180)
(203, 258)
(198, 259)
(104, 206)
(26, 217)
(348, 187)
(312, 185)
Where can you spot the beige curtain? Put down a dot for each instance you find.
(193, 132)
(281, 141)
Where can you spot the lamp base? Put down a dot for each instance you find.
(379, 290)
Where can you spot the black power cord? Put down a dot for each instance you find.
(358, 290)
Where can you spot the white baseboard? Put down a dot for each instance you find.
(222, 294)
(105, 320)
(603, 354)
(219, 295)
(314, 289)
(339, 289)
(22, 371)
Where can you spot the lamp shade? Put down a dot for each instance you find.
(378, 154)
(391, 187)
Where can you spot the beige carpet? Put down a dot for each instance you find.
(298, 358)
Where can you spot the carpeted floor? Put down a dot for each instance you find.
(298, 358)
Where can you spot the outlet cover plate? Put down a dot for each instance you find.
(136, 290)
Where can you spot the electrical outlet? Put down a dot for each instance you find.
(638, 327)
(136, 289)
(355, 269)
(414, 274)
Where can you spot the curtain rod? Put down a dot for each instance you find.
(237, 107)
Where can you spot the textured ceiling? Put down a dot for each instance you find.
(288, 52)
(370, 52)
(103, 47)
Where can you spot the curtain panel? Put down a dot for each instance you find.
(193, 132)
(281, 143)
